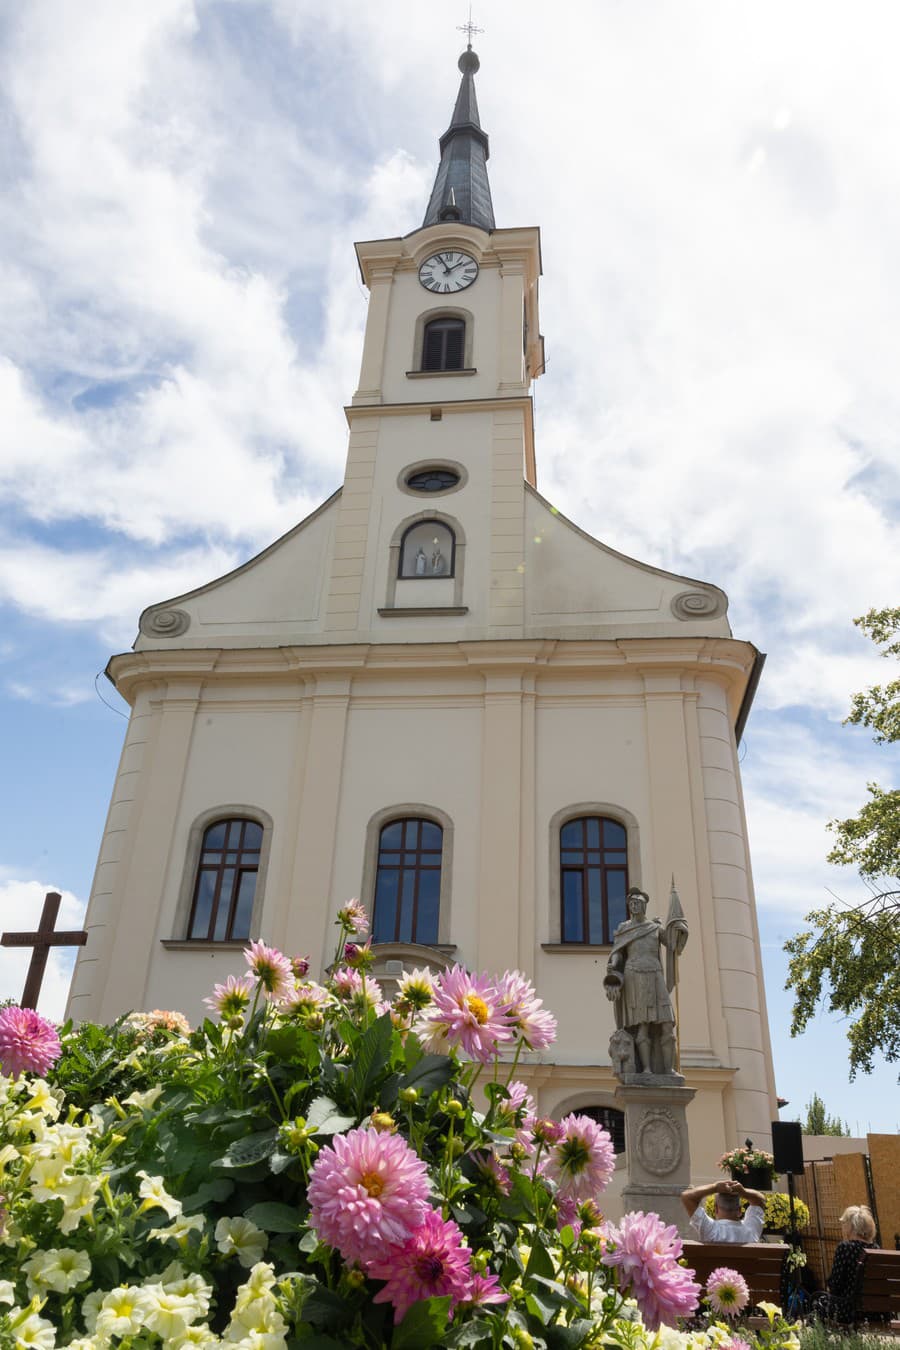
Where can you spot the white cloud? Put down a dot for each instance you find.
(21, 903)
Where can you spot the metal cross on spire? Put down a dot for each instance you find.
(469, 28)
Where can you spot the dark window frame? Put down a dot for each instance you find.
(444, 344)
(402, 868)
(426, 576)
(244, 862)
(601, 867)
(432, 480)
(611, 1119)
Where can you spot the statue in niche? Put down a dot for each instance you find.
(438, 561)
(641, 991)
(421, 562)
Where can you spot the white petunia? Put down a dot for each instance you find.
(153, 1192)
(7, 1292)
(58, 1269)
(143, 1100)
(122, 1312)
(241, 1237)
(180, 1229)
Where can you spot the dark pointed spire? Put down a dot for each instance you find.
(461, 189)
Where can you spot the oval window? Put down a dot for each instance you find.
(432, 480)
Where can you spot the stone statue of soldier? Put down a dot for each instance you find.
(636, 983)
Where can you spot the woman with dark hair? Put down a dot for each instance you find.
(858, 1234)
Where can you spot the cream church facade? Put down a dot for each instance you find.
(440, 695)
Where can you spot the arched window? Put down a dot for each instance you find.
(593, 865)
(444, 344)
(611, 1119)
(408, 882)
(427, 549)
(225, 887)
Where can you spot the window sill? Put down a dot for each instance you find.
(417, 611)
(203, 945)
(588, 947)
(438, 374)
(445, 948)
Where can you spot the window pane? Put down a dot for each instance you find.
(212, 858)
(389, 859)
(215, 836)
(595, 905)
(391, 834)
(571, 858)
(593, 857)
(252, 835)
(240, 929)
(406, 907)
(613, 834)
(570, 835)
(231, 859)
(409, 859)
(615, 899)
(385, 917)
(573, 925)
(224, 905)
(593, 832)
(410, 834)
(206, 889)
(234, 833)
(429, 903)
(432, 835)
(614, 856)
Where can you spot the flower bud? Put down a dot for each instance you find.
(454, 1107)
(409, 1095)
(383, 1122)
(300, 966)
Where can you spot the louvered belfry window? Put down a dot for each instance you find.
(444, 345)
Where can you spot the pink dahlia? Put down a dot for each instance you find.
(354, 919)
(27, 1042)
(727, 1291)
(271, 968)
(432, 1263)
(492, 1173)
(519, 1099)
(486, 1289)
(645, 1252)
(534, 1024)
(231, 998)
(584, 1159)
(467, 1012)
(300, 966)
(367, 1191)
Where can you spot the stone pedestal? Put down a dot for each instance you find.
(658, 1153)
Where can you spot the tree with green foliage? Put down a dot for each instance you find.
(850, 956)
(818, 1121)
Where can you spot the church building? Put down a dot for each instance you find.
(440, 695)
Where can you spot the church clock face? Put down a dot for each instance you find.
(447, 272)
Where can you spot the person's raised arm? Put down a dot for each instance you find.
(697, 1194)
(752, 1197)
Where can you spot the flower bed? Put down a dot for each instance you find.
(317, 1167)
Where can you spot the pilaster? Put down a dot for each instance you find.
(351, 535)
(380, 280)
(501, 808)
(143, 879)
(309, 917)
(507, 597)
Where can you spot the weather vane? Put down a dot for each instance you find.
(469, 27)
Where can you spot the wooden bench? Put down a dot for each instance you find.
(760, 1263)
(879, 1289)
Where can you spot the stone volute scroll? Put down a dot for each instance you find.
(164, 623)
(643, 1042)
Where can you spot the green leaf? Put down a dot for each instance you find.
(424, 1326)
(253, 1148)
(540, 1262)
(273, 1217)
(371, 1059)
(567, 1237)
(325, 1117)
(323, 1308)
(215, 1191)
(317, 1341)
(567, 1338)
(429, 1075)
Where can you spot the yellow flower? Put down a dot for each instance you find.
(122, 1312)
(78, 1195)
(179, 1230)
(771, 1310)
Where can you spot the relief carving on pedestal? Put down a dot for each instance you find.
(658, 1142)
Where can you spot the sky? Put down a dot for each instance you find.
(182, 317)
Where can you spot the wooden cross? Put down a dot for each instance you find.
(41, 942)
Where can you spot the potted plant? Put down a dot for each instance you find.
(752, 1167)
